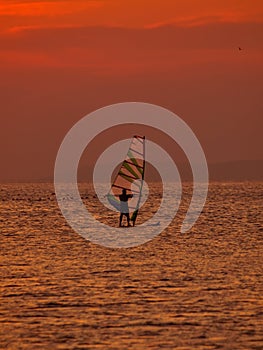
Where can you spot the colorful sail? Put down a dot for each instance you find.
(130, 177)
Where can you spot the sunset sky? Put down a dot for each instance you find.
(60, 60)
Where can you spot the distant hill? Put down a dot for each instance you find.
(244, 170)
(247, 170)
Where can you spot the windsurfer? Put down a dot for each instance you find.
(124, 209)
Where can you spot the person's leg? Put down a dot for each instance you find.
(128, 219)
(121, 215)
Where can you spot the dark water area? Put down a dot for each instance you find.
(198, 290)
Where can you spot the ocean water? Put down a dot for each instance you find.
(198, 290)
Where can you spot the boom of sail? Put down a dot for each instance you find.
(130, 177)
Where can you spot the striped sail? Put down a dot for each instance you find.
(130, 177)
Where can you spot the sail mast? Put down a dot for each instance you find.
(135, 213)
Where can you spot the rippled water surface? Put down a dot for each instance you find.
(199, 290)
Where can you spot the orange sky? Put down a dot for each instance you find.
(60, 60)
(128, 13)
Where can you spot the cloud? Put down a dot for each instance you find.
(46, 8)
(126, 14)
(196, 21)
(122, 51)
(213, 35)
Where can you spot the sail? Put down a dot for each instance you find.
(130, 177)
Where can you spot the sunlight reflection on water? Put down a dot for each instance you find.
(202, 289)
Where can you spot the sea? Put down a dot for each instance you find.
(196, 290)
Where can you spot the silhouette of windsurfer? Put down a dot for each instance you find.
(124, 209)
